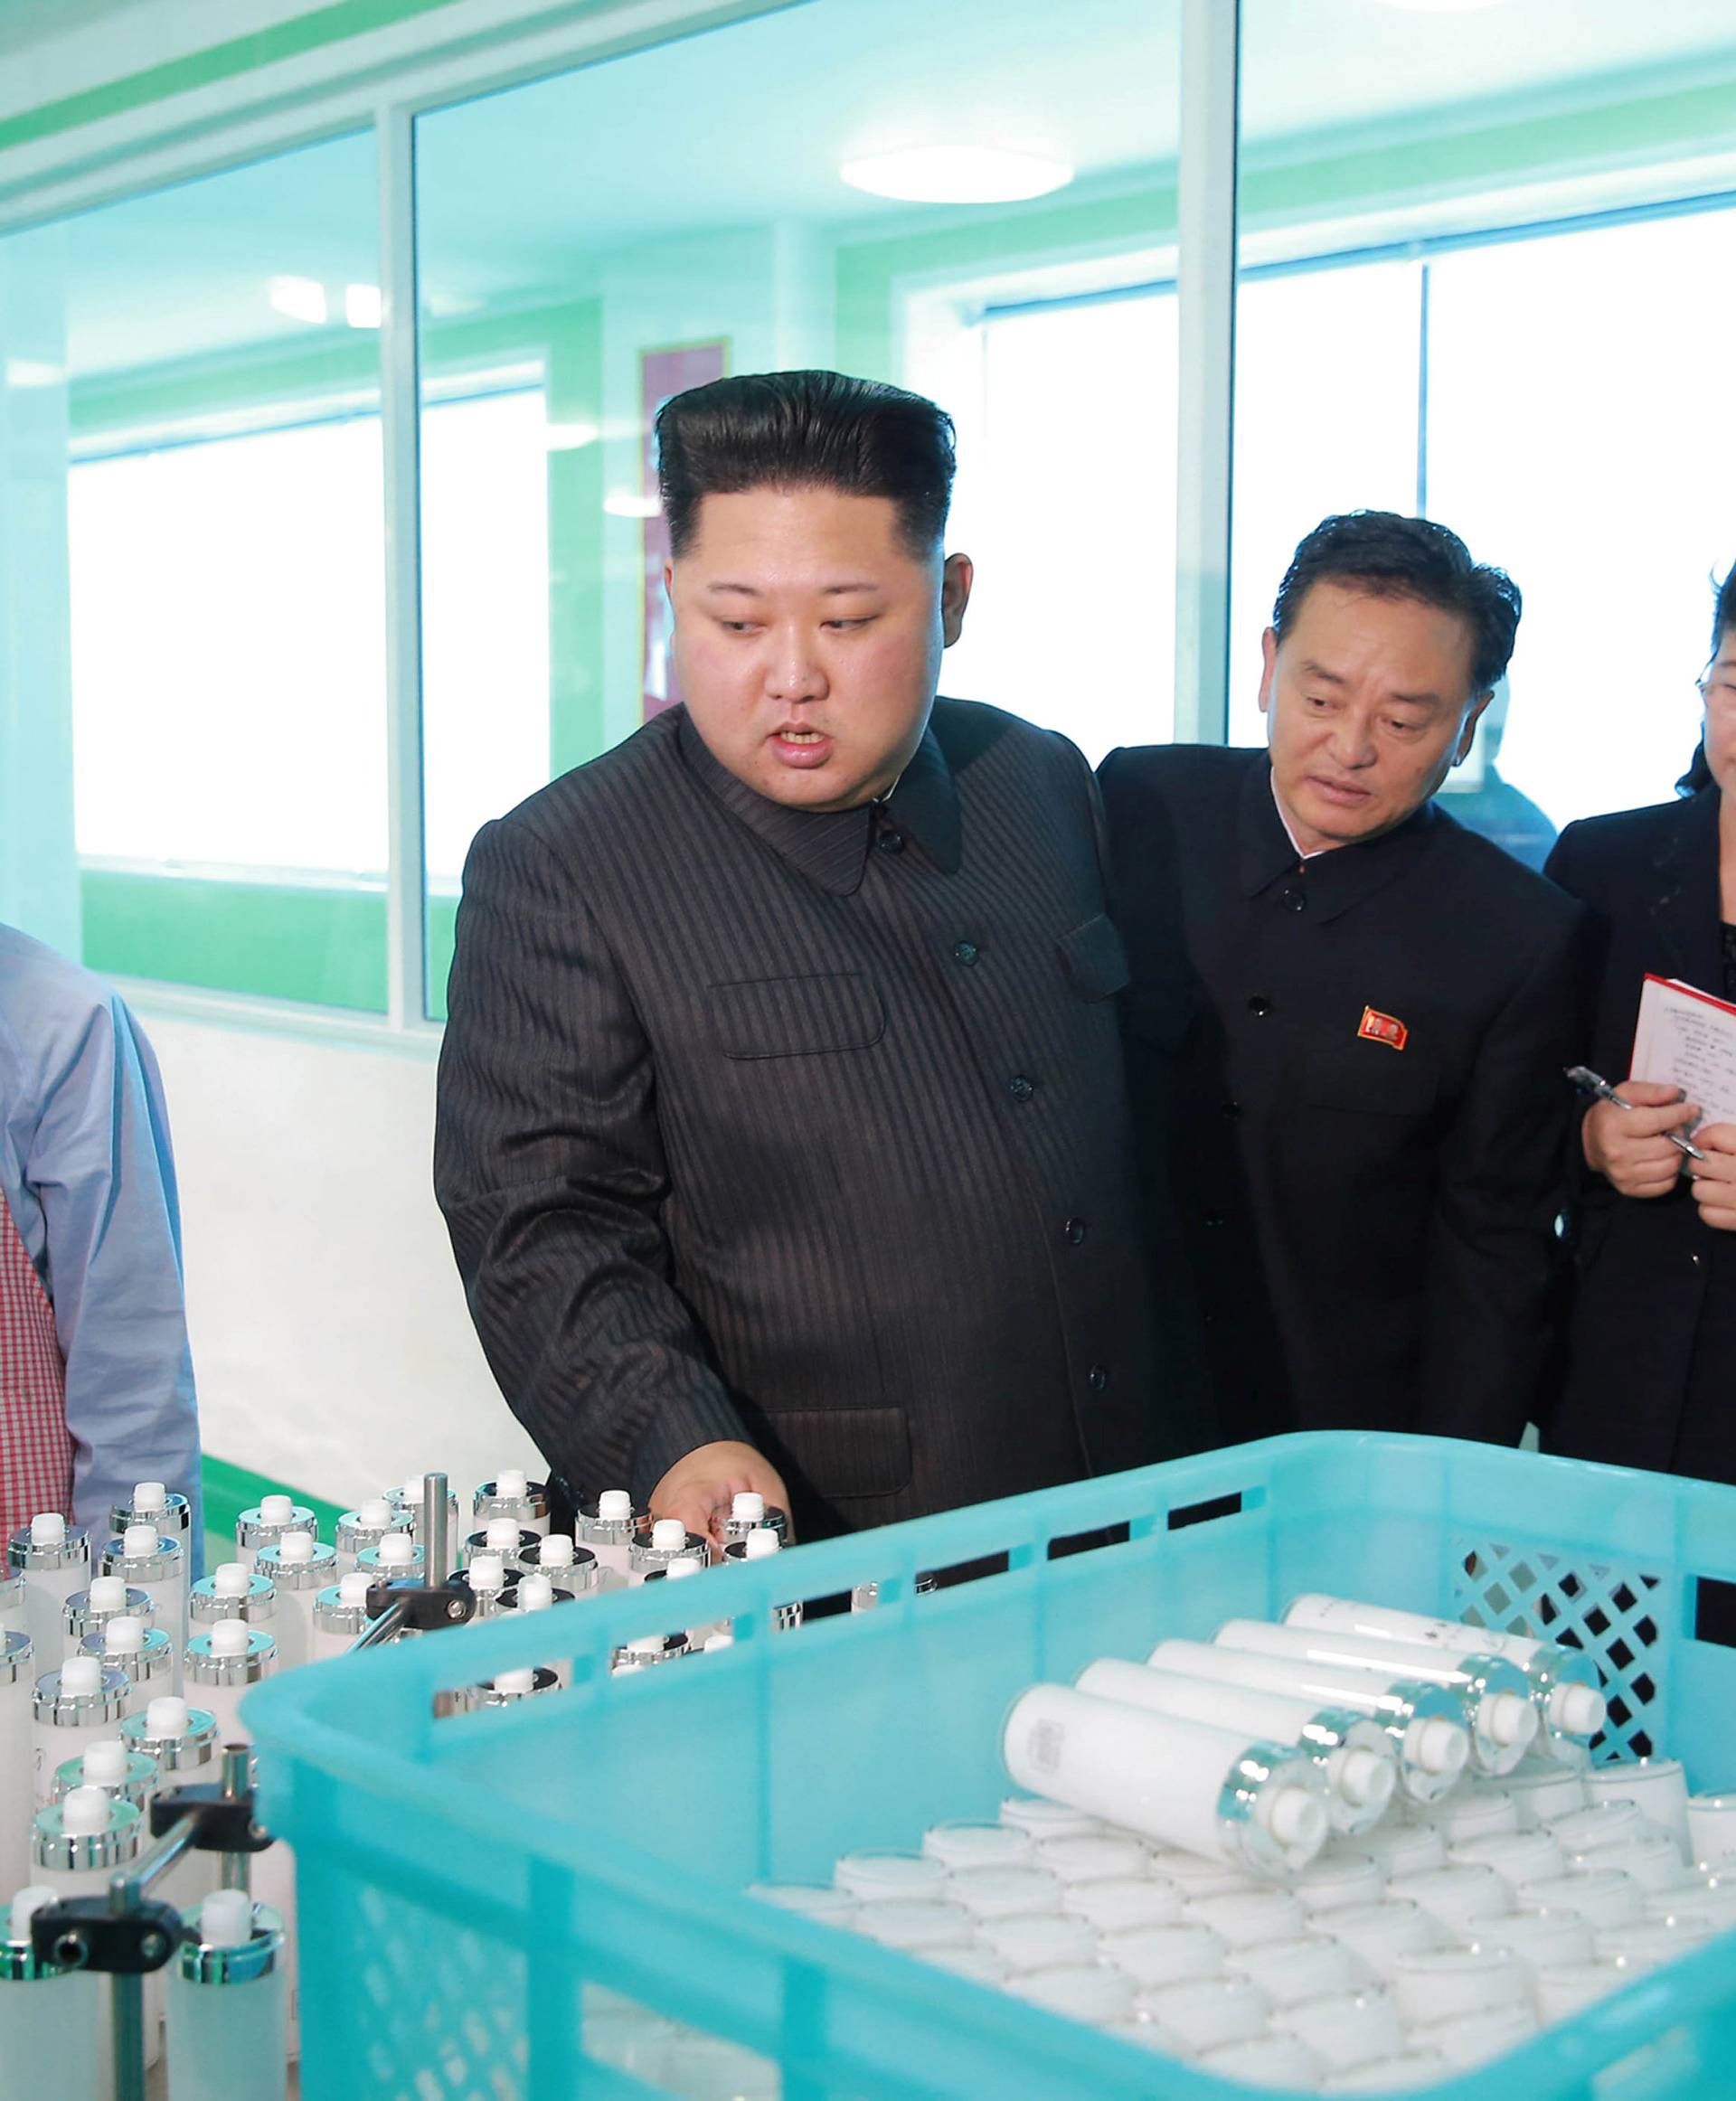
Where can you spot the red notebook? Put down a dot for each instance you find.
(1687, 1038)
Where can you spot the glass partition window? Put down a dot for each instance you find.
(632, 229)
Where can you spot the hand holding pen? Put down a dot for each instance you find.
(1636, 1140)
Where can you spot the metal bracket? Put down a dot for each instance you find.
(81, 1933)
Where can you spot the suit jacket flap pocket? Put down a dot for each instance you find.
(796, 1017)
(1094, 959)
(1372, 1078)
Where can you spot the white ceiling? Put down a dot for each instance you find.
(521, 192)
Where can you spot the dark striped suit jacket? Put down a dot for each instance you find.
(807, 1129)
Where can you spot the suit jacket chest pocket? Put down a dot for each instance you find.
(1372, 1080)
(796, 1017)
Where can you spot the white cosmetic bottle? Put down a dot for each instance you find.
(1423, 1722)
(53, 2018)
(105, 1597)
(168, 1514)
(183, 1742)
(144, 1653)
(1496, 1697)
(299, 1568)
(1354, 1754)
(228, 2003)
(222, 1666)
(504, 1537)
(669, 1540)
(12, 1601)
(512, 1494)
(609, 1527)
(17, 1776)
(751, 1512)
(233, 1592)
(1211, 1791)
(397, 1559)
(366, 1527)
(71, 1709)
(1564, 1683)
(759, 1545)
(566, 1564)
(149, 1561)
(266, 1523)
(55, 1560)
(340, 1616)
(128, 1776)
(77, 1844)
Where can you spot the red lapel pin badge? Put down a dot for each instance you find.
(1378, 1028)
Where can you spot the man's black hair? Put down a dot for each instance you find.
(1723, 623)
(796, 430)
(1394, 557)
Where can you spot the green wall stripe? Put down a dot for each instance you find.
(229, 1490)
(218, 61)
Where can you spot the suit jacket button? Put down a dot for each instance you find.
(966, 952)
(891, 841)
(1231, 1111)
(1020, 1087)
(1075, 1230)
(1098, 1378)
(1260, 1004)
(1214, 1219)
(1293, 898)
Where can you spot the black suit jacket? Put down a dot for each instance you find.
(1371, 1229)
(1653, 1279)
(805, 1129)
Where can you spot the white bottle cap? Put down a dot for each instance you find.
(518, 1681)
(137, 1541)
(149, 1496)
(226, 1919)
(123, 1636)
(721, 1639)
(26, 1904)
(277, 1509)
(488, 1572)
(1577, 1711)
(1435, 1745)
(1364, 1778)
(107, 1593)
(762, 1540)
(512, 1483)
(613, 1504)
(296, 1547)
(230, 1637)
(352, 1587)
(375, 1513)
(502, 1535)
(165, 1717)
(1293, 1816)
(104, 1763)
(748, 1508)
(396, 1550)
(668, 1535)
(230, 1579)
(1507, 1718)
(535, 1594)
(49, 1529)
(84, 1813)
(80, 1675)
(557, 1552)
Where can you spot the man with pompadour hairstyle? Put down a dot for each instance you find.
(782, 1136)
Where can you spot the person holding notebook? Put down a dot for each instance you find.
(1651, 1362)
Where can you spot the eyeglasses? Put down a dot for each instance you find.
(1719, 692)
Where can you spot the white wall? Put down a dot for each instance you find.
(331, 1342)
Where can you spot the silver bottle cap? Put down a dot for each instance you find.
(18, 1965)
(401, 1499)
(577, 1572)
(610, 1522)
(368, 1563)
(173, 1514)
(187, 1750)
(137, 1784)
(83, 1617)
(511, 1686)
(647, 1649)
(205, 1963)
(492, 1500)
(54, 1707)
(156, 1566)
(246, 1667)
(332, 1616)
(254, 1528)
(354, 1532)
(771, 1517)
(476, 1543)
(256, 1605)
(314, 1574)
(30, 1556)
(17, 1654)
(647, 1555)
(58, 1850)
(150, 1667)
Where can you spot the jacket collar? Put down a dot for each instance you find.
(1336, 881)
(831, 847)
(1684, 901)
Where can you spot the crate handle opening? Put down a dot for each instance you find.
(1215, 1507)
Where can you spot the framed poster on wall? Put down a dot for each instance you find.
(662, 373)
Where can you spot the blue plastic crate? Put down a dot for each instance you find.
(463, 1881)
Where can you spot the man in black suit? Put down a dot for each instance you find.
(782, 1132)
(1349, 1014)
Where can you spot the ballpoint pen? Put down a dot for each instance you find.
(1588, 1082)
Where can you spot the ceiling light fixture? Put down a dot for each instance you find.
(362, 306)
(300, 299)
(957, 174)
(569, 436)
